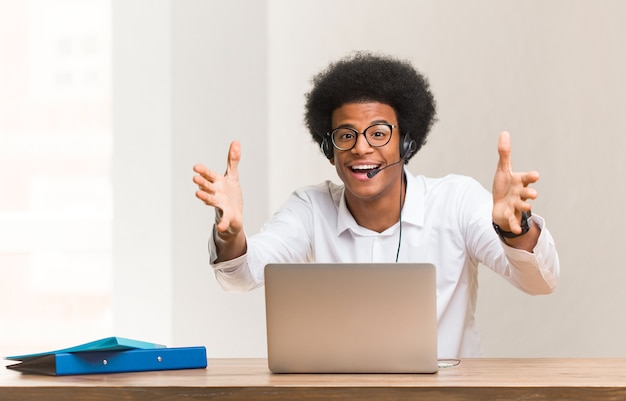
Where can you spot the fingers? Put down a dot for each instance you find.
(504, 161)
(222, 220)
(199, 168)
(529, 193)
(204, 175)
(521, 192)
(530, 178)
(203, 194)
(504, 150)
(234, 155)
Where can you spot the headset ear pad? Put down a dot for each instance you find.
(327, 147)
(408, 147)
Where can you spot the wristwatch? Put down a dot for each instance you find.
(508, 234)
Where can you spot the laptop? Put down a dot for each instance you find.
(351, 318)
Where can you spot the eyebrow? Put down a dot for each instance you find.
(370, 124)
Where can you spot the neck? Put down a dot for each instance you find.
(379, 213)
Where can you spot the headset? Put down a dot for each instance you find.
(408, 147)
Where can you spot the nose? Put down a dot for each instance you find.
(361, 146)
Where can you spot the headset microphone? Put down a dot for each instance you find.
(372, 173)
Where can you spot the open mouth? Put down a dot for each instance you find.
(365, 168)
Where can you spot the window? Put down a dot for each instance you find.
(56, 204)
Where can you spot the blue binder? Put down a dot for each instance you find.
(112, 358)
(104, 344)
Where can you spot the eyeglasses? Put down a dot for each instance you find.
(377, 135)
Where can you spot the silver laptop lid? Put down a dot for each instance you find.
(351, 318)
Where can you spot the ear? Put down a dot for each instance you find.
(332, 161)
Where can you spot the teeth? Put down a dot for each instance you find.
(365, 167)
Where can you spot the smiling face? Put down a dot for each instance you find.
(353, 165)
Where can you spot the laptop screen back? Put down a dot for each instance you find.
(351, 318)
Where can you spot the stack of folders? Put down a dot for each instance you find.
(110, 355)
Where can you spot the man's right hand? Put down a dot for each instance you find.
(224, 193)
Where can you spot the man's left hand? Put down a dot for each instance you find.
(511, 190)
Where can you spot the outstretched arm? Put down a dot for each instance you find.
(224, 193)
(511, 193)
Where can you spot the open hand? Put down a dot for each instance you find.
(511, 190)
(223, 192)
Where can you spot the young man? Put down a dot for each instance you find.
(371, 114)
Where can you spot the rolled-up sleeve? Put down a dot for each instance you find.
(233, 275)
(538, 272)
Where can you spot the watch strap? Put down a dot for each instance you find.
(508, 234)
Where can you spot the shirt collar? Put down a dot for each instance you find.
(412, 212)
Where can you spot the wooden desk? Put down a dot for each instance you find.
(249, 379)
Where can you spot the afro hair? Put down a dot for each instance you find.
(366, 77)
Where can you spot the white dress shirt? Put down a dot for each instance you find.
(445, 221)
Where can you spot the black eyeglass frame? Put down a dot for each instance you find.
(331, 134)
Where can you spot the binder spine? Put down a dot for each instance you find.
(130, 361)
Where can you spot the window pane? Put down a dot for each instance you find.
(56, 205)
